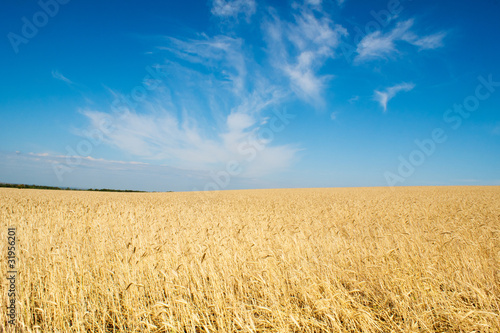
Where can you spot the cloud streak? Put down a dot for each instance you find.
(233, 8)
(300, 48)
(378, 45)
(383, 97)
(58, 76)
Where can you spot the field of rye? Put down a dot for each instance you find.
(421, 259)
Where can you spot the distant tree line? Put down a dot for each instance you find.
(111, 190)
(41, 187)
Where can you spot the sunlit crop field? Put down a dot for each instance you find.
(422, 259)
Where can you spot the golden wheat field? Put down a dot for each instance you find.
(420, 259)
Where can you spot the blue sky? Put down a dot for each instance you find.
(213, 95)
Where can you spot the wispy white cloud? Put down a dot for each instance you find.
(206, 114)
(300, 48)
(213, 53)
(57, 75)
(383, 97)
(314, 2)
(379, 45)
(428, 42)
(57, 158)
(233, 8)
(162, 137)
